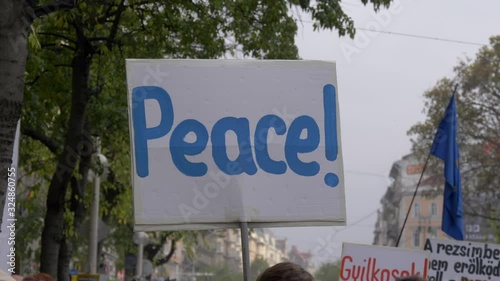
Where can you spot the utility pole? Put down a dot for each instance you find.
(94, 211)
(141, 239)
(94, 218)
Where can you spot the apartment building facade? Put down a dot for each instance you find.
(222, 249)
(424, 219)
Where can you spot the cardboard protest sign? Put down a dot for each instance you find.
(218, 142)
(377, 263)
(453, 260)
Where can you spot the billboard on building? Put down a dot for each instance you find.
(218, 142)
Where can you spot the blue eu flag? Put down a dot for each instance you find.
(445, 147)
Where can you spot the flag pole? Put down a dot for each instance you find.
(413, 199)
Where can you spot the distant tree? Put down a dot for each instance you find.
(328, 271)
(478, 107)
(221, 273)
(258, 266)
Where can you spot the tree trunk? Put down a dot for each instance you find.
(64, 259)
(77, 205)
(100, 251)
(167, 258)
(78, 186)
(151, 251)
(15, 19)
(52, 233)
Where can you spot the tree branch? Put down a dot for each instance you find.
(58, 36)
(33, 82)
(96, 91)
(48, 142)
(110, 194)
(98, 39)
(62, 65)
(474, 214)
(137, 4)
(114, 26)
(152, 249)
(57, 5)
(58, 46)
(489, 107)
(77, 202)
(106, 15)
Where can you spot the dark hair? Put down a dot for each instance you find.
(285, 271)
(410, 278)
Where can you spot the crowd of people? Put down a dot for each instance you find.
(285, 271)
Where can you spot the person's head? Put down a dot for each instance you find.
(285, 271)
(17, 277)
(39, 277)
(410, 278)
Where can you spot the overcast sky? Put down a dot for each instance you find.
(381, 80)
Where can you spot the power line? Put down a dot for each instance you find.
(365, 173)
(414, 36)
(421, 36)
(356, 222)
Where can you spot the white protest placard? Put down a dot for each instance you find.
(219, 142)
(453, 260)
(377, 263)
(8, 261)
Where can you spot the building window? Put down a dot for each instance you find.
(416, 210)
(220, 248)
(402, 214)
(416, 237)
(434, 209)
(432, 232)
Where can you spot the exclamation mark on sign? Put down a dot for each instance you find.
(331, 147)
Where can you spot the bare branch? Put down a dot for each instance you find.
(474, 214)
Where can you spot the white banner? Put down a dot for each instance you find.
(8, 231)
(377, 263)
(453, 260)
(218, 142)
